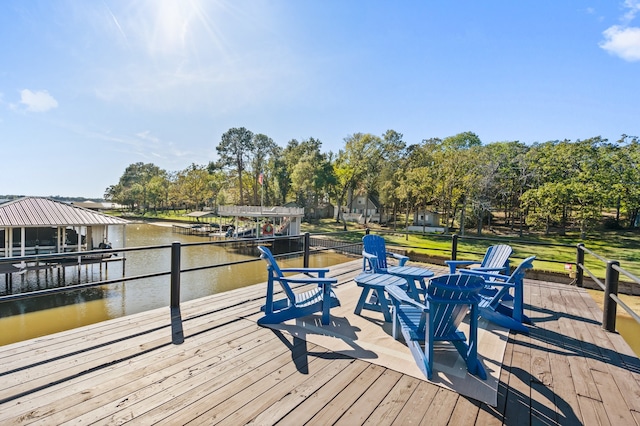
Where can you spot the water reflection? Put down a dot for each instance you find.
(35, 317)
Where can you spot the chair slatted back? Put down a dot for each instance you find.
(519, 272)
(497, 257)
(374, 244)
(275, 273)
(445, 289)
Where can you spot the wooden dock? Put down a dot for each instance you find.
(209, 364)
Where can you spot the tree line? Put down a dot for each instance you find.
(554, 184)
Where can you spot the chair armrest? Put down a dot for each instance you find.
(401, 259)
(400, 296)
(482, 269)
(320, 271)
(369, 255)
(460, 262)
(485, 275)
(453, 264)
(319, 281)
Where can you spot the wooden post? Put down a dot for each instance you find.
(579, 265)
(610, 305)
(175, 274)
(306, 250)
(454, 246)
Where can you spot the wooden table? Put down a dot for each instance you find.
(374, 285)
(415, 278)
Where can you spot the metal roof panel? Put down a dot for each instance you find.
(38, 211)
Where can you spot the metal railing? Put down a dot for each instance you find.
(300, 245)
(347, 242)
(609, 286)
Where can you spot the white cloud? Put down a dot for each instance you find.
(623, 42)
(39, 101)
(634, 9)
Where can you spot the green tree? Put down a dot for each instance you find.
(452, 164)
(158, 191)
(132, 188)
(351, 165)
(234, 148)
(262, 148)
(394, 155)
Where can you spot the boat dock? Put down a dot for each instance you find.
(210, 363)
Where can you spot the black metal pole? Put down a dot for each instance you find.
(610, 305)
(175, 275)
(454, 246)
(306, 250)
(579, 265)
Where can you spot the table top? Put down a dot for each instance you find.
(379, 279)
(410, 271)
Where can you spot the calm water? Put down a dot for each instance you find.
(49, 314)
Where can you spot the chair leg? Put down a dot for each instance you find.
(326, 304)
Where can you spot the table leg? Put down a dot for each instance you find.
(384, 304)
(363, 298)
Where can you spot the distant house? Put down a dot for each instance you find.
(426, 218)
(426, 221)
(358, 208)
(322, 211)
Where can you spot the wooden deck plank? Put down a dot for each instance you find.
(617, 408)
(362, 409)
(440, 410)
(242, 406)
(112, 383)
(488, 415)
(517, 410)
(317, 401)
(564, 393)
(295, 396)
(159, 387)
(417, 404)
(465, 412)
(593, 411)
(389, 408)
(193, 398)
(227, 369)
(339, 405)
(46, 370)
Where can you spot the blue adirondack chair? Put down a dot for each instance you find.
(448, 299)
(496, 259)
(296, 305)
(374, 255)
(497, 292)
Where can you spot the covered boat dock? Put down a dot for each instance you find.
(36, 226)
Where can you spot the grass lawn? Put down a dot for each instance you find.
(552, 252)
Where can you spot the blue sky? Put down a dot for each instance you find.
(89, 87)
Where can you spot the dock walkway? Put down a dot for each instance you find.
(209, 364)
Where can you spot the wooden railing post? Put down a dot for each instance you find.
(175, 274)
(579, 265)
(454, 246)
(610, 305)
(306, 250)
